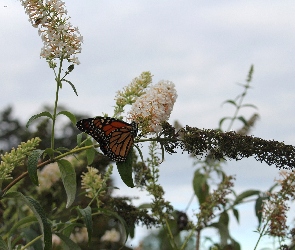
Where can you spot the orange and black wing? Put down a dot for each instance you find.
(114, 136)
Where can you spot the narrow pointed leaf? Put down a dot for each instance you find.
(240, 198)
(69, 115)
(49, 152)
(201, 187)
(125, 170)
(139, 151)
(90, 153)
(3, 245)
(249, 105)
(68, 176)
(34, 117)
(22, 223)
(236, 214)
(230, 102)
(122, 221)
(258, 208)
(40, 215)
(72, 85)
(224, 218)
(32, 165)
(235, 244)
(222, 120)
(79, 139)
(68, 242)
(86, 213)
(223, 231)
(223, 227)
(243, 120)
(163, 152)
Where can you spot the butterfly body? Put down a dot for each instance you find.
(114, 136)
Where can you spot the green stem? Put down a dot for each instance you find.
(58, 85)
(238, 107)
(260, 235)
(187, 239)
(32, 242)
(247, 85)
(172, 242)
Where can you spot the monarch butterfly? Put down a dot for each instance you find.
(114, 136)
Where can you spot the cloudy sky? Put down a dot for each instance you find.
(204, 47)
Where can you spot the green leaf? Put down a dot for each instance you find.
(125, 170)
(201, 187)
(71, 245)
(139, 151)
(222, 120)
(79, 139)
(163, 152)
(224, 218)
(240, 198)
(145, 206)
(272, 188)
(32, 165)
(34, 117)
(3, 245)
(39, 213)
(72, 85)
(259, 207)
(22, 223)
(69, 115)
(68, 176)
(122, 221)
(223, 227)
(223, 232)
(249, 105)
(90, 153)
(243, 120)
(230, 102)
(236, 214)
(69, 226)
(235, 244)
(131, 229)
(62, 149)
(86, 213)
(49, 152)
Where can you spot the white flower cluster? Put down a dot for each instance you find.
(80, 235)
(49, 175)
(111, 235)
(130, 93)
(154, 107)
(60, 38)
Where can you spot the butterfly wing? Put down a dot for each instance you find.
(119, 143)
(115, 137)
(87, 126)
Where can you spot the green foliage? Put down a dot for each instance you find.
(201, 186)
(68, 177)
(39, 214)
(125, 170)
(86, 214)
(32, 165)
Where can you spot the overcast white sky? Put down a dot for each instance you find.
(204, 47)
